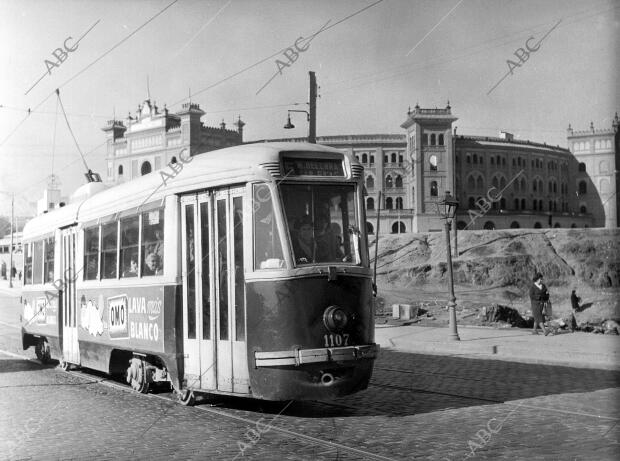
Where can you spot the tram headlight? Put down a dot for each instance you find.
(335, 318)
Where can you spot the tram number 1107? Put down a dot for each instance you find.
(333, 340)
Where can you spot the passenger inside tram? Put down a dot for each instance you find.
(153, 265)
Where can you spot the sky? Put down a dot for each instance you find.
(373, 59)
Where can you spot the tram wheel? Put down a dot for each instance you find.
(136, 375)
(186, 397)
(42, 351)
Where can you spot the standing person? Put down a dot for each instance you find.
(574, 301)
(538, 296)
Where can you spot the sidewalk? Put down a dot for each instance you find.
(16, 291)
(581, 350)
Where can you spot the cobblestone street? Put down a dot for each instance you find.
(417, 407)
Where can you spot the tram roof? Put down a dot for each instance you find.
(231, 165)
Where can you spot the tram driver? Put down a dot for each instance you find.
(316, 245)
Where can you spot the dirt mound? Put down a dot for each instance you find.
(496, 267)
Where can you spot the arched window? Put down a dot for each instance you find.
(400, 158)
(475, 159)
(516, 204)
(433, 139)
(433, 161)
(471, 203)
(523, 206)
(582, 167)
(120, 170)
(523, 185)
(372, 159)
(555, 206)
(514, 225)
(481, 160)
(398, 227)
(534, 205)
(537, 225)
(495, 182)
(555, 187)
(399, 181)
(370, 203)
(583, 188)
(389, 203)
(540, 186)
(145, 168)
(369, 228)
(540, 205)
(583, 209)
(440, 140)
(433, 188)
(425, 139)
(489, 225)
(492, 160)
(388, 181)
(480, 183)
(393, 157)
(502, 203)
(514, 162)
(468, 159)
(399, 203)
(370, 182)
(502, 182)
(385, 158)
(364, 158)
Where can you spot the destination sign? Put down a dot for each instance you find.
(312, 167)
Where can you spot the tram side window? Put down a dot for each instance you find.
(267, 247)
(48, 263)
(37, 264)
(153, 242)
(91, 253)
(109, 243)
(28, 264)
(129, 246)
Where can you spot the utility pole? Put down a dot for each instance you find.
(11, 256)
(312, 103)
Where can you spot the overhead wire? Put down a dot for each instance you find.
(88, 66)
(274, 54)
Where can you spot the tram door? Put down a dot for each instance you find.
(198, 322)
(70, 345)
(232, 359)
(214, 291)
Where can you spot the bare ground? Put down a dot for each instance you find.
(496, 267)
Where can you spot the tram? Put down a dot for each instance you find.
(242, 271)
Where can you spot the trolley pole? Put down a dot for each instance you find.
(312, 103)
(11, 251)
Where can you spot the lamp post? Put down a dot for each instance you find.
(311, 115)
(447, 209)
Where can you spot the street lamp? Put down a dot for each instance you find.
(447, 210)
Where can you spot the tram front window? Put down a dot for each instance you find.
(323, 223)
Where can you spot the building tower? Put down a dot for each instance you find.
(596, 181)
(431, 152)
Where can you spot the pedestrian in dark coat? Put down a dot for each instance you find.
(538, 296)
